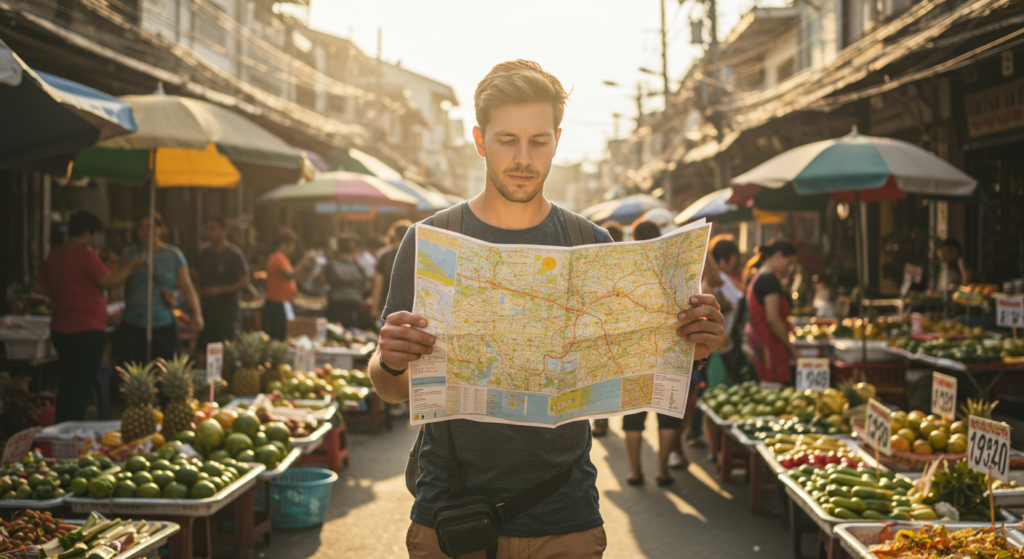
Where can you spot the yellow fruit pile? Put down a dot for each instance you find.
(927, 434)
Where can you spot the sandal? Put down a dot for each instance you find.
(635, 481)
(665, 481)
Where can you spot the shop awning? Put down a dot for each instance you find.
(55, 117)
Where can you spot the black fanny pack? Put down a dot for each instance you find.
(469, 523)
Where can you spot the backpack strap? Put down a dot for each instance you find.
(581, 232)
(449, 219)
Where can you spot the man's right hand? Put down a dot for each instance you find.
(401, 343)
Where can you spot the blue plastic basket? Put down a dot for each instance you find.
(299, 497)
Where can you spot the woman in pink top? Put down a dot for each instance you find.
(74, 277)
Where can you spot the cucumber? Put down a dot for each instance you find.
(849, 504)
(878, 505)
(846, 470)
(902, 492)
(846, 514)
(874, 515)
(900, 501)
(871, 493)
(842, 479)
(838, 491)
(899, 516)
(808, 470)
(903, 483)
(887, 474)
(905, 510)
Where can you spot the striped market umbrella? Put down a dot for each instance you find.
(623, 210)
(716, 205)
(343, 187)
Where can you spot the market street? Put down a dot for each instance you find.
(369, 511)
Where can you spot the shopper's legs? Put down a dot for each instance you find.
(275, 323)
(165, 342)
(633, 425)
(80, 356)
(668, 437)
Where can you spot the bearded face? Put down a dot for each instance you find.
(519, 145)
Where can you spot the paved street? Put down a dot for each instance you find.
(696, 518)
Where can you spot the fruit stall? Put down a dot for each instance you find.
(221, 462)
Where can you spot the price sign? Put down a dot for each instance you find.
(878, 429)
(943, 395)
(1010, 312)
(812, 373)
(214, 362)
(19, 445)
(321, 330)
(305, 359)
(988, 447)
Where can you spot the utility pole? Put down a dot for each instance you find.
(666, 177)
(722, 164)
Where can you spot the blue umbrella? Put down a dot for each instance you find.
(623, 210)
(55, 118)
(715, 205)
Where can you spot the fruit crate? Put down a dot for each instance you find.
(889, 378)
(909, 463)
(194, 508)
(155, 541)
(65, 441)
(857, 538)
(23, 504)
(320, 410)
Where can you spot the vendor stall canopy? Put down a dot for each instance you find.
(55, 117)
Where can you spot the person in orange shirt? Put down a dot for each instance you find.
(281, 287)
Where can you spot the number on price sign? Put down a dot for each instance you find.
(943, 395)
(321, 330)
(214, 362)
(812, 373)
(1010, 312)
(878, 429)
(988, 447)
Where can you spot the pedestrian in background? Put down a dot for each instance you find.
(633, 424)
(347, 280)
(74, 278)
(385, 264)
(170, 273)
(766, 337)
(281, 287)
(223, 274)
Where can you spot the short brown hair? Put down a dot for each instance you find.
(518, 81)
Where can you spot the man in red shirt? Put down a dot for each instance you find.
(281, 287)
(74, 277)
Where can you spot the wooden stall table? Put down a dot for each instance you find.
(727, 454)
(376, 415)
(333, 452)
(760, 478)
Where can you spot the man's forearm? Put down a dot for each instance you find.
(391, 388)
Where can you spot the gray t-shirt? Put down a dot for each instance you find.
(501, 461)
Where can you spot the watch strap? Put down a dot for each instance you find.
(389, 370)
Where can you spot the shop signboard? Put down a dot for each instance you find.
(996, 109)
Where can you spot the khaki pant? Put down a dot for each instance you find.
(588, 544)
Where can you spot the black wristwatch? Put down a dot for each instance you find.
(389, 370)
(697, 365)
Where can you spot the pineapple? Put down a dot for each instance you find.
(177, 385)
(140, 419)
(278, 356)
(849, 392)
(251, 350)
(977, 408)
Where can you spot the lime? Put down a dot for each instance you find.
(34, 480)
(246, 424)
(58, 493)
(104, 464)
(122, 476)
(187, 475)
(125, 489)
(246, 456)
(64, 479)
(136, 464)
(86, 461)
(277, 431)
(212, 468)
(187, 437)
(268, 455)
(237, 442)
(24, 492)
(202, 490)
(43, 492)
(282, 447)
(100, 488)
(175, 491)
(79, 486)
(148, 491)
(260, 439)
(162, 478)
(142, 478)
(219, 483)
(209, 436)
(217, 455)
(9, 495)
(159, 464)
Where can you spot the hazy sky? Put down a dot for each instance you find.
(582, 42)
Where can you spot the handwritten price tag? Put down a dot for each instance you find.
(1010, 312)
(19, 445)
(812, 373)
(214, 362)
(988, 447)
(943, 395)
(878, 429)
(321, 330)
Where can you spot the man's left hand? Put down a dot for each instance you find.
(705, 330)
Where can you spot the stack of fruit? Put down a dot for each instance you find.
(1012, 350)
(769, 427)
(97, 538)
(169, 473)
(239, 435)
(793, 451)
(969, 350)
(860, 494)
(32, 478)
(749, 400)
(32, 528)
(811, 332)
(340, 337)
(922, 434)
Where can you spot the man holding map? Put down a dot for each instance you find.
(501, 328)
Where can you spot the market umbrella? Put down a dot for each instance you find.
(715, 206)
(342, 187)
(54, 117)
(623, 210)
(361, 162)
(426, 201)
(184, 142)
(854, 169)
